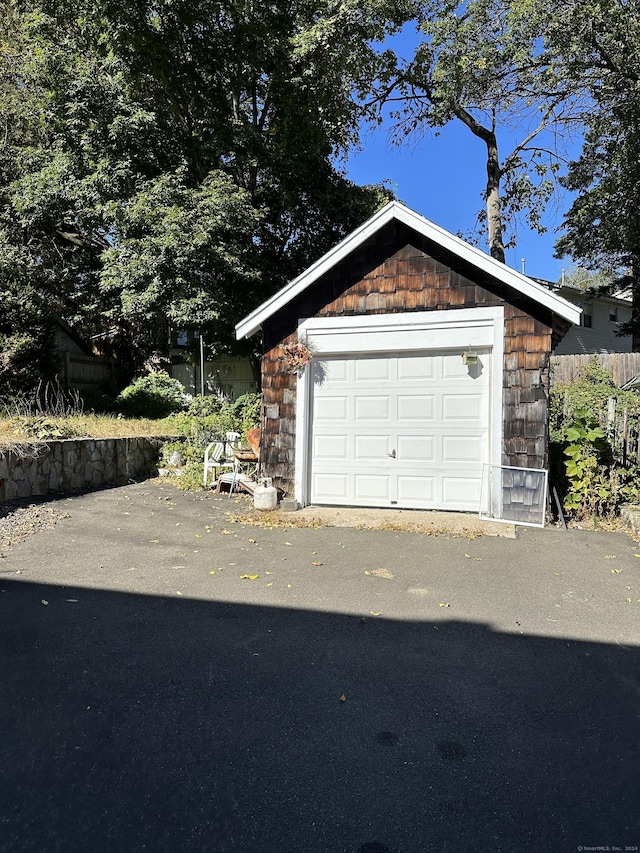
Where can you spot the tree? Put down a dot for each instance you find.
(174, 163)
(603, 223)
(484, 63)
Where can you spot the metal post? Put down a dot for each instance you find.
(201, 365)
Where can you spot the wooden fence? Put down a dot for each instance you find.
(85, 371)
(623, 366)
(623, 433)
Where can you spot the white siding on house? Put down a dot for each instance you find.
(601, 337)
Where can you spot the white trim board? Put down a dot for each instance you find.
(406, 332)
(395, 210)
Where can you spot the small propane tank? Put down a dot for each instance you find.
(265, 496)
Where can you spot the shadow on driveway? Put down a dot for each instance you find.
(134, 722)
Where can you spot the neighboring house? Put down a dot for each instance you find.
(231, 377)
(430, 360)
(600, 320)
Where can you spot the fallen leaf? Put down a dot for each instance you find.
(609, 556)
(374, 613)
(154, 541)
(616, 571)
(343, 698)
(287, 543)
(289, 586)
(72, 600)
(226, 532)
(212, 572)
(270, 583)
(249, 577)
(198, 535)
(316, 563)
(368, 573)
(628, 600)
(253, 541)
(44, 601)
(443, 604)
(178, 592)
(468, 556)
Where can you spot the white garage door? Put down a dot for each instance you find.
(404, 430)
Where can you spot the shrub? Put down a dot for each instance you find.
(155, 395)
(590, 480)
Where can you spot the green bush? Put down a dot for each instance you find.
(581, 460)
(156, 395)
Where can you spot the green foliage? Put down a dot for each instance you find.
(597, 40)
(176, 163)
(592, 392)
(582, 462)
(205, 420)
(246, 410)
(584, 449)
(156, 395)
(41, 428)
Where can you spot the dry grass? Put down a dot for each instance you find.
(88, 426)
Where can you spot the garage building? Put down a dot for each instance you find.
(429, 360)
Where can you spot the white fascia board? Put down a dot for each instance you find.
(396, 210)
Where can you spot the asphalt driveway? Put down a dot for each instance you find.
(173, 681)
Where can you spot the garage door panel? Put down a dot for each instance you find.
(331, 371)
(367, 369)
(418, 489)
(462, 448)
(332, 409)
(330, 447)
(453, 368)
(374, 448)
(330, 487)
(371, 487)
(464, 407)
(416, 448)
(418, 367)
(372, 408)
(416, 407)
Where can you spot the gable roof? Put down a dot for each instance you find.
(398, 211)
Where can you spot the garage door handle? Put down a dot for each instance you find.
(392, 454)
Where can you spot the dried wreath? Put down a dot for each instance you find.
(298, 356)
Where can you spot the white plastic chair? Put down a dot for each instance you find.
(213, 461)
(232, 439)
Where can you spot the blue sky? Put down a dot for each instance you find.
(442, 178)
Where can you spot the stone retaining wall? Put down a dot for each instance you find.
(72, 465)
